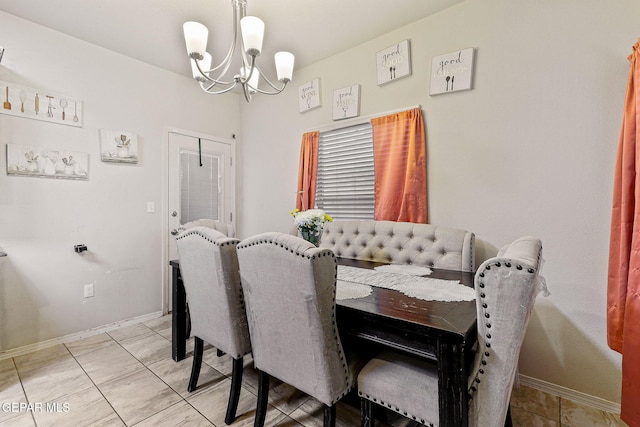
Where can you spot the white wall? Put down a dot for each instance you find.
(42, 279)
(530, 150)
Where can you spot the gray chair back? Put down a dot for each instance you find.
(209, 269)
(506, 288)
(289, 287)
(225, 228)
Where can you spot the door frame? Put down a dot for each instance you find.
(166, 269)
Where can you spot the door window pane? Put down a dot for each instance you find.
(200, 189)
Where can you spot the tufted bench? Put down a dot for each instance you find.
(401, 243)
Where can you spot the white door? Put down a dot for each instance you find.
(201, 180)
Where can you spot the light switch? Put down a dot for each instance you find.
(88, 290)
(151, 207)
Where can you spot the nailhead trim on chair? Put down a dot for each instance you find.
(343, 358)
(325, 252)
(230, 241)
(396, 409)
(484, 308)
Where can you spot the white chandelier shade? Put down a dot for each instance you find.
(252, 34)
(195, 36)
(284, 65)
(249, 32)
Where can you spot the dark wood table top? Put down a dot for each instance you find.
(456, 318)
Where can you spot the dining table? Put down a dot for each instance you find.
(437, 329)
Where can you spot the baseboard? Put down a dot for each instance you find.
(569, 394)
(19, 351)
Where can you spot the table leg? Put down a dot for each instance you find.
(179, 316)
(452, 384)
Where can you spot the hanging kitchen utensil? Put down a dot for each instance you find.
(37, 105)
(63, 103)
(50, 107)
(23, 97)
(7, 104)
(75, 111)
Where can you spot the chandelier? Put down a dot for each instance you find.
(249, 30)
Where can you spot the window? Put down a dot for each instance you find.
(345, 179)
(199, 186)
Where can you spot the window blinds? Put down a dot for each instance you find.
(345, 179)
(199, 187)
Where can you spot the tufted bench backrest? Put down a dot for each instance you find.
(401, 243)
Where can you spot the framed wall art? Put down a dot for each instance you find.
(41, 162)
(118, 146)
(309, 95)
(393, 62)
(37, 104)
(452, 72)
(346, 102)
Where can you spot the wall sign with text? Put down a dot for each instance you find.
(346, 102)
(393, 62)
(309, 95)
(452, 72)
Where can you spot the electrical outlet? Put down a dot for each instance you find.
(151, 207)
(88, 290)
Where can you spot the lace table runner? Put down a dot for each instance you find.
(356, 282)
(412, 270)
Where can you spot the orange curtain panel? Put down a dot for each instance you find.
(399, 157)
(307, 171)
(623, 305)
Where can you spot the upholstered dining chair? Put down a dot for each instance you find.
(506, 287)
(225, 228)
(209, 268)
(289, 288)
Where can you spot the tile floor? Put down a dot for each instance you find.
(126, 377)
(531, 407)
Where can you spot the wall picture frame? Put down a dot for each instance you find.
(346, 102)
(118, 146)
(452, 72)
(394, 62)
(40, 162)
(309, 96)
(38, 104)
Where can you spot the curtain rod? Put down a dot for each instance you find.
(358, 120)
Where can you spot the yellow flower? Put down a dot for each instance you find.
(327, 218)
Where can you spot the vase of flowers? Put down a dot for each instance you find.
(310, 223)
